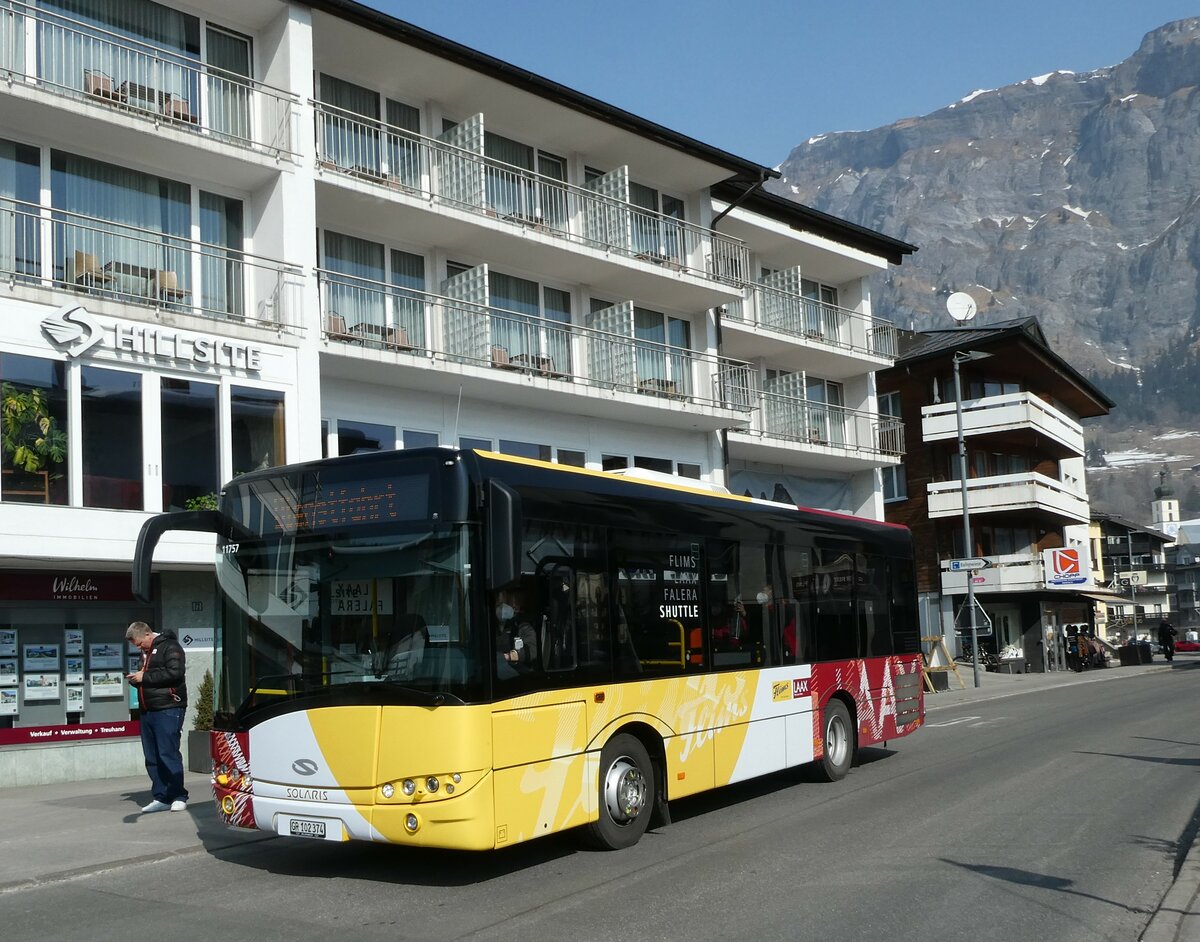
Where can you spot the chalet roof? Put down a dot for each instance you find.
(931, 346)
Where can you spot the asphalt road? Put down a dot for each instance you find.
(1054, 815)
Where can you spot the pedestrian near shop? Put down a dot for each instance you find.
(1166, 639)
(162, 699)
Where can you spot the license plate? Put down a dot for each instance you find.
(299, 827)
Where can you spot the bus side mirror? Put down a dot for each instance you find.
(205, 521)
(504, 535)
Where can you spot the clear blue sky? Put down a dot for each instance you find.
(758, 78)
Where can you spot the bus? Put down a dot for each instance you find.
(462, 649)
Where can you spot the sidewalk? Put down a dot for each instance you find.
(56, 832)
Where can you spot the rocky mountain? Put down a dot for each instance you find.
(1074, 197)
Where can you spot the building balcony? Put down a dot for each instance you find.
(118, 79)
(800, 333)
(43, 248)
(1058, 434)
(1028, 493)
(786, 428)
(1016, 572)
(404, 337)
(438, 176)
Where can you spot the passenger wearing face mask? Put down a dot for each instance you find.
(516, 641)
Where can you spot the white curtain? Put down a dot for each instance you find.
(222, 279)
(357, 295)
(228, 98)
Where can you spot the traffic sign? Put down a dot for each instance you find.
(968, 565)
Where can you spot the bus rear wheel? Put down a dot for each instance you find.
(838, 740)
(627, 788)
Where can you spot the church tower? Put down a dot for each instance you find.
(1165, 509)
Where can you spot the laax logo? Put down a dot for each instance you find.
(73, 329)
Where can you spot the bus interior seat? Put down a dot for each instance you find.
(407, 640)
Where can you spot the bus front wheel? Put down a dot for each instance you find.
(626, 794)
(838, 740)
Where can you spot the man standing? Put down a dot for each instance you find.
(162, 696)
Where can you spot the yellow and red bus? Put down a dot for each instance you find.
(462, 649)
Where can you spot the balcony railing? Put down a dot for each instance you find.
(88, 63)
(816, 423)
(816, 321)
(355, 146)
(1031, 491)
(41, 245)
(999, 414)
(359, 311)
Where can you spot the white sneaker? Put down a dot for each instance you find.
(179, 805)
(155, 805)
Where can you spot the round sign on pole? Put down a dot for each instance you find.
(961, 306)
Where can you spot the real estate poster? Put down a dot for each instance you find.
(74, 699)
(8, 642)
(105, 655)
(40, 657)
(73, 667)
(106, 684)
(73, 641)
(41, 686)
(8, 672)
(8, 701)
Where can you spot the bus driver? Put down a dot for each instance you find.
(516, 641)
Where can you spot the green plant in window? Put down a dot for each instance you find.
(204, 704)
(32, 439)
(203, 502)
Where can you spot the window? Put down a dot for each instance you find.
(408, 298)
(613, 462)
(529, 335)
(359, 438)
(228, 96)
(222, 276)
(525, 450)
(35, 431)
(661, 465)
(688, 470)
(482, 444)
(821, 318)
(576, 459)
(136, 232)
(663, 345)
(895, 483)
(20, 191)
(414, 439)
(112, 456)
(258, 429)
(356, 296)
(656, 233)
(658, 602)
(523, 196)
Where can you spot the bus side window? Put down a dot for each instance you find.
(557, 629)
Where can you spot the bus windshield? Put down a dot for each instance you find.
(322, 616)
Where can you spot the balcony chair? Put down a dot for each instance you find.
(99, 85)
(86, 271)
(336, 329)
(178, 109)
(165, 286)
(501, 359)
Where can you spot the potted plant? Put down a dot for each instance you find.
(202, 502)
(199, 750)
(33, 443)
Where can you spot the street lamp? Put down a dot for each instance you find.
(963, 356)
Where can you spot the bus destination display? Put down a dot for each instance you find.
(352, 503)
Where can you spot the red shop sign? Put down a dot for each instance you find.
(85, 732)
(65, 586)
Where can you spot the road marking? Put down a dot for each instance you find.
(954, 722)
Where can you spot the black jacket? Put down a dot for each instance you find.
(163, 685)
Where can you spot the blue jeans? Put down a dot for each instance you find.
(161, 730)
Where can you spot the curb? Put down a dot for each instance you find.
(61, 876)
(931, 702)
(1178, 915)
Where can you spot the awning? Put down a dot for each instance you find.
(1108, 598)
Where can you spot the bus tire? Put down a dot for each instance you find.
(627, 787)
(838, 742)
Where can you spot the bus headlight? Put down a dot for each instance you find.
(432, 783)
(388, 790)
(411, 823)
(227, 804)
(409, 786)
